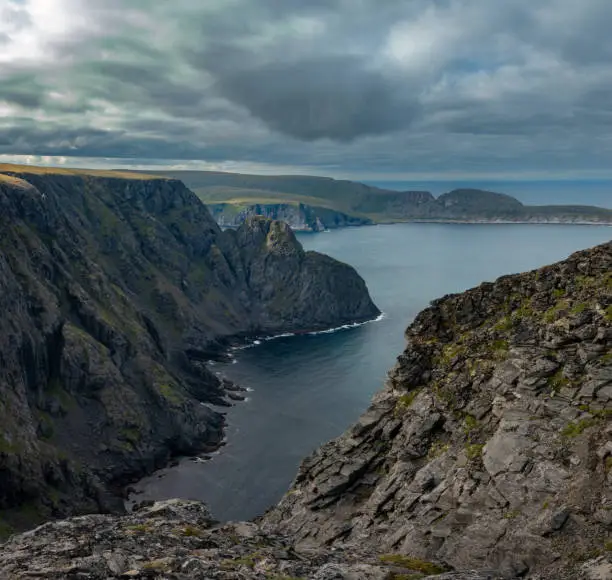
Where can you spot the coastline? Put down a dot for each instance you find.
(538, 222)
(128, 493)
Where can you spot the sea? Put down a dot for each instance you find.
(305, 390)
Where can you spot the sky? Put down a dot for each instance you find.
(362, 89)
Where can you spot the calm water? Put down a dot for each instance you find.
(309, 389)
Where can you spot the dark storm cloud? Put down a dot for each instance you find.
(334, 97)
(420, 85)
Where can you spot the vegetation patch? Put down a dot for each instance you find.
(404, 402)
(428, 568)
(500, 348)
(558, 293)
(512, 514)
(474, 451)
(579, 308)
(553, 313)
(470, 425)
(249, 561)
(576, 428)
(190, 532)
(437, 449)
(170, 393)
(504, 325)
(558, 381)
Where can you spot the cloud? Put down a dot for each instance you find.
(335, 86)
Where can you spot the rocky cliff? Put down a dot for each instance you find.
(298, 216)
(490, 446)
(114, 291)
(487, 455)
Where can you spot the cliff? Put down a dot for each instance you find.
(359, 201)
(114, 291)
(299, 216)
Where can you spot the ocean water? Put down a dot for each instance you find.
(309, 389)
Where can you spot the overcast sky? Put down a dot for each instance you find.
(367, 89)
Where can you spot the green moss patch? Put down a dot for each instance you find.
(410, 563)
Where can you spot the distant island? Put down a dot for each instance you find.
(320, 203)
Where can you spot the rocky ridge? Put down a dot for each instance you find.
(490, 446)
(115, 290)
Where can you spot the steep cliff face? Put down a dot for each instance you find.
(491, 445)
(299, 216)
(114, 292)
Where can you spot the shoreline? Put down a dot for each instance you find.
(128, 494)
(448, 221)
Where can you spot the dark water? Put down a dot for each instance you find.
(309, 389)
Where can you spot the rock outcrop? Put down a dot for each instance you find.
(114, 292)
(491, 445)
(177, 540)
(299, 216)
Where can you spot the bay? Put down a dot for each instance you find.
(308, 389)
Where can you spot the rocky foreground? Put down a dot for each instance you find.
(487, 455)
(114, 292)
(491, 445)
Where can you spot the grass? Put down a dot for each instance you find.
(552, 313)
(512, 514)
(558, 293)
(500, 348)
(404, 402)
(437, 449)
(470, 424)
(474, 451)
(190, 532)
(579, 308)
(410, 563)
(169, 393)
(504, 325)
(38, 170)
(576, 428)
(249, 561)
(558, 381)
